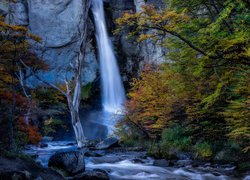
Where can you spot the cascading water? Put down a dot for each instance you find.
(113, 94)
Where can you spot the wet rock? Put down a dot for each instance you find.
(184, 163)
(172, 163)
(47, 139)
(197, 163)
(15, 175)
(225, 156)
(19, 169)
(39, 178)
(184, 155)
(43, 145)
(107, 143)
(71, 162)
(92, 175)
(161, 163)
(92, 143)
(92, 154)
(135, 149)
(70, 144)
(247, 177)
(107, 159)
(34, 156)
(137, 161)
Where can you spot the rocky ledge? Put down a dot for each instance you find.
(22, 169)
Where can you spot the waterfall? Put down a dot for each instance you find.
(113, 94)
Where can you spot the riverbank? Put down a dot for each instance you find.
(134, 163)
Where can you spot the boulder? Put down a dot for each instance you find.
(107, 143)
(161, 163)
(47, 139)
(19, 169)
(92, 154)
(183, 155)
(92, 175)
(16, 175)
(184, 163)
(107, 159)
(91, 143)
(137, 161)
(43, 145)
(72, 162)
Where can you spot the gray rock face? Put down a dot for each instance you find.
(56, 21)
(92, 175)
(3, 8)
(59, 23)
(107, 143)
(133, 55)
(18, 14)
(72, 162)
(151, 51)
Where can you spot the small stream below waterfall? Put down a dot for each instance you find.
(130, 165)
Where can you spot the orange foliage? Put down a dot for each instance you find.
(153, 101)
(33, 135)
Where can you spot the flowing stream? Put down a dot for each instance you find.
(130, 165)
(113, 94)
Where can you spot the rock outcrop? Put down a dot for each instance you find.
(72, 162)
(92, 175)
(107, 143)
(3, 8)
(133, 55)
(59, 24)
(16, 168)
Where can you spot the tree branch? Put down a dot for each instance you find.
(43, 81)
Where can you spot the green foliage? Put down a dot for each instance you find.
(176, 138)
(86, 91)
(204, 150)
(206, 85)
(155, 151)
(48, 96)
(50, 126)
(17, 104)
(21, 139)
(130, 135)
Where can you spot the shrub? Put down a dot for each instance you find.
(176, 138)
(50, 126)
(203, 150)
(86, 91)
(33, 135)
(155, 150)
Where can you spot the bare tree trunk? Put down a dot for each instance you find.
(75, 99)
(74, 105)
(73, 92)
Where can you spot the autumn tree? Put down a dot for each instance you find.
(16, 101)
(208, 45)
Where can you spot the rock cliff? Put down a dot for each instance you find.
(58, 23)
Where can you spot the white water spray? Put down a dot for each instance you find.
(113, 94)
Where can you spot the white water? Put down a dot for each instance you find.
(113, 94)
